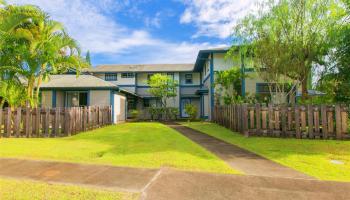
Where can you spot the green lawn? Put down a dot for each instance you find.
(149, 145)
(313, 157)
(18, 190)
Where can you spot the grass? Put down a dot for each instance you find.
(313, 157)
(17, 190)
(147, 145)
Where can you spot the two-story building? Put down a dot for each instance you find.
(196, 84)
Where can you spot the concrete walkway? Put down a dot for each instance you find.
(114, 178)
(169, 184)
(238, 158)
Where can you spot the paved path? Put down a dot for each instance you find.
(169, 184)
(239, 158)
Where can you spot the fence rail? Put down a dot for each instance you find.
(310, 121)
(52, 122)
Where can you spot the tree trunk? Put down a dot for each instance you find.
(304, 92)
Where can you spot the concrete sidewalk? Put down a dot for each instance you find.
(169, 184)
(175, 185)
(240, 159)
(109, 177)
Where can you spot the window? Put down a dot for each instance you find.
(188, 79)
(111, 77)
(128, 75)
(131, 104)
(146, 103)
(76, 99)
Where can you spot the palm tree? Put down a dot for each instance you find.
(35, 47)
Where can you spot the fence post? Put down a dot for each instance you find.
(1, 119)
(297, 122)
(258, 119)
(17, 124)
(324, 122)
(310, 121)
(338, 122)
(344, 120)
(284, 120)
(245, 120)
(8, 122)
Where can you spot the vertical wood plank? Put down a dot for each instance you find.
(264, 120)
(317, 121)
(1, 121)
(324, 122)
(344, 120)
(8, 122)
(57, 121)
(47, 122)
(310, 120)
(338, 122)
(18, 122)
(303, 119)
(284, 120)
(27, 122)
(270, 119)
(37, 122)
(297, 122)
(258, 119)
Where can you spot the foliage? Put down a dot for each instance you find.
(135, 114)
(335, 79)
(312, 157)
(13, 93)
(192, 111)
(163, 87)
(33, 47)
(145, 145)
(288, 37)
(228, 85)
(160, 113)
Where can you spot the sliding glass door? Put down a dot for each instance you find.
(76, 99)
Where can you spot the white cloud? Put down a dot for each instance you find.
(93, 25)
(215, 18)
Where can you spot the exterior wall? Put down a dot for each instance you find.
(46, 99)
(142, 79)
(119, 108)
(100, 98)
(131, 89)
(60, 99)
(195, 78)
(206, 105)
(220, 63)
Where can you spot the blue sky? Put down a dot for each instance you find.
(146, 31)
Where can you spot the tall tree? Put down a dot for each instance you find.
(37, 47)
(288, 37)
(163, 87)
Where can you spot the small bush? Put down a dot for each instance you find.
(191, 110)
(135, 114)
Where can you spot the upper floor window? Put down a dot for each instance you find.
(128, 75)
(170, 75)
(111, 77)
(188, 79)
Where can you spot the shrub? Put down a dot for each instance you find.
(135, 114)
(191, 110)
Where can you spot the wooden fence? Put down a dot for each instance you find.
(309, 121)
(52, 122)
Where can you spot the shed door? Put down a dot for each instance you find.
(184, 102)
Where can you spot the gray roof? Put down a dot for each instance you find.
(72, 81)
(143, 68)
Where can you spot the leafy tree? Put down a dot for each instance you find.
(13, 93)
(288, 37)
(335, 79)
(163, 87)
(229, 85)
(34, 47)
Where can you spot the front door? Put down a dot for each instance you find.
(184, 102)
